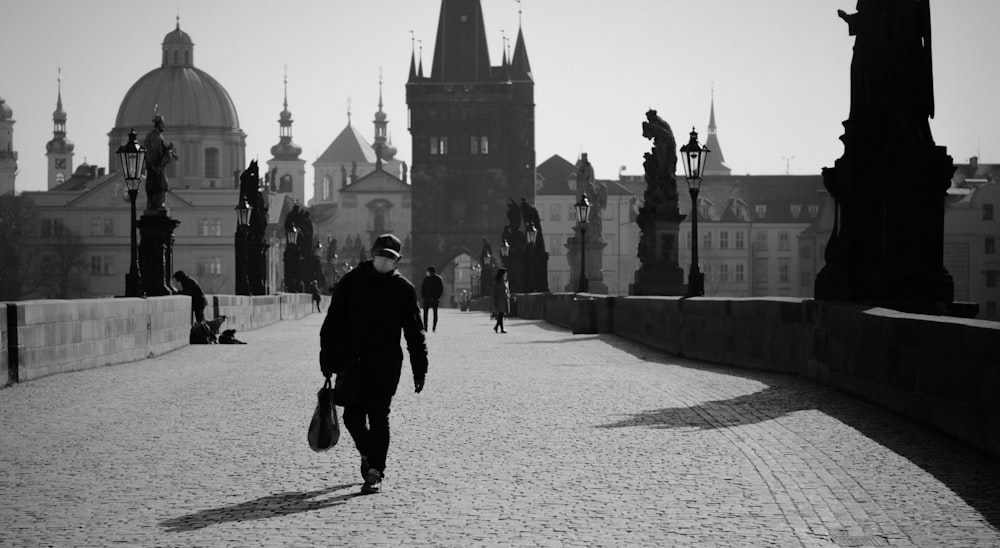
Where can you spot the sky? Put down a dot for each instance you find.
(778, 71)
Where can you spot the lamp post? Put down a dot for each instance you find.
(582, 217)
(693, 157)
(532, 234)
(243, 213)
(291, 259)
(477, 270)
(133, 159)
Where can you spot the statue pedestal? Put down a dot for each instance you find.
(595, 265)
(660, 274)
(156, 252)
(887, 248)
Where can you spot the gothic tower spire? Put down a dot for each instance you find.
(59, 150)
(716, 163)
(461, 53)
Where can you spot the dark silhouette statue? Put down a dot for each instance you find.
(158, 155)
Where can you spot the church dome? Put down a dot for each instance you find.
(6, 113)
(186, 96)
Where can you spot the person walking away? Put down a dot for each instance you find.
(359, 342)
(431, 290)
(500, 300)
(314, 289)
(191, 288)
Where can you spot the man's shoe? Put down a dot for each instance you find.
(364, 467)
(373, 483)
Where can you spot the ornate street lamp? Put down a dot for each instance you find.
(693, 157)
(582, 217)
(505, 250)
(243, 214)
(532, 234)
(133, 159)
(291, 259)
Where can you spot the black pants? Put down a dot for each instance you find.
(199, 314)
(428, 305)
(372, 440)
(499, 324)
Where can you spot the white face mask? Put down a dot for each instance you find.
(383, 264)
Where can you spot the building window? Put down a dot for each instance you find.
(554, 212)
(102, 265)
(484, 145)
(211, 163)
(761, 242)
(51, 227)
(327, 185)
(60, 178)
(783, 242)
(740, 275)
(760, 271)
(987, 212)
(991, 246)
(761, 211)
(556, 245)
(102, 226)
(210, 227)
(813, 210)
(434, 146)
(796, 210)
(739, 240)
(474, 144)
(210, 266)
(783, 272)
(707, 240)
(724, 239)
(991, 278)
(724, 272)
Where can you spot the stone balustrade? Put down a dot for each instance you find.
(44, 337)
(940, 371)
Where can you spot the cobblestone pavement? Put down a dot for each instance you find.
(534, 438)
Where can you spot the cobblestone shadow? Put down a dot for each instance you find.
(972, 474)
(280, 504)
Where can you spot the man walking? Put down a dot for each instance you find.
(191, 288)
(431, 290)
(359, 342)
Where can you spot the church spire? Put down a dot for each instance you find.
(716, 162)
(461, 53)
(520, 66)
(285, 149)
(383, 150)
(413, 58)
(59, 115)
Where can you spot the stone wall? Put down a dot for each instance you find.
(941, 371)
(55, 336)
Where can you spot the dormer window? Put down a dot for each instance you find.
(813, 210)
(761, 211)
(796, 210)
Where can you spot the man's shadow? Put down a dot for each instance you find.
(279, 504)
(972, 474)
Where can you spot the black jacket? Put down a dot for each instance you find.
(362, 327)
(191, 288)
(432, 288)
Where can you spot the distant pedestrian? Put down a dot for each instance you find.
(314, 289)
(359, 342)
(430, 291)
(191, 288)
(500, 301)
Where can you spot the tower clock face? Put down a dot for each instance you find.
(60, 163)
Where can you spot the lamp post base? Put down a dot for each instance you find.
(133, 285)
